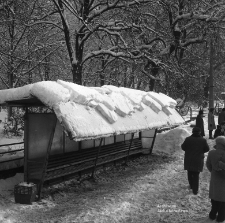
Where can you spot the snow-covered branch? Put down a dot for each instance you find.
(44, 22)
(150, 76)
(212, 7)
(114, 34)
(4, 4)
(154, 31)
(32, 68)
(4, 82)
(201, 17)
(193, 40)
(114, 5)
(108, 52)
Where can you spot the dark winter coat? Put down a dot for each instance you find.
(194, 146)
(221, 117)
(200, 124)
(217, 181)
(211, 121)
(218, 132)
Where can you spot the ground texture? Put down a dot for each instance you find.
(150, 189)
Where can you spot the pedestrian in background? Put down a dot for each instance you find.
(200, 122)
(220, 131)
(217, 131)
(221, 117)
(194, 147)
(217, 181)
(211, 122)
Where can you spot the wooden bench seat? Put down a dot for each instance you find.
(73, 162)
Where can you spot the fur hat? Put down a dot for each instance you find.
(200, 112)
(220, 140)
(196, 129)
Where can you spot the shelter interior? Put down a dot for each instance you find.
(50, 155)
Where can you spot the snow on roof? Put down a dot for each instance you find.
(15, 93)
(94, 112)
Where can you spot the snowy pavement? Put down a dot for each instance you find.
(151, 189)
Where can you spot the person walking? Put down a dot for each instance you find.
(211, 122)
(217, 131)
(221, 116)
(194, 147)
(217, 180)
(200, 122)
(220, 131)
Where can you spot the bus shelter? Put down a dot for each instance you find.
(85, 127)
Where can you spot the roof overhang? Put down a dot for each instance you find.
(94, 112)
(26, 102)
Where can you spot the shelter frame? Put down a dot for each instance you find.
(41, 167)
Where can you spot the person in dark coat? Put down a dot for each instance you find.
(194, 147)
(211, 122)
(217, 182)
(221, 116)
(200, 122)
(220, 131)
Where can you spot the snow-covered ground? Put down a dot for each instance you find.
(143, 192)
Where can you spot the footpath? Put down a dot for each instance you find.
(152, 189)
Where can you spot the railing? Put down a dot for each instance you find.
(11, 152)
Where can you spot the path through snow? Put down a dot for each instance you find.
(151, 189)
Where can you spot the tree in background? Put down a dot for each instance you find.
(27, 52)
(145, 44)
(186, 57)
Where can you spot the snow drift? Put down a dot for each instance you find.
(170, 142)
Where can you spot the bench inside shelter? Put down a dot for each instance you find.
(50, 155)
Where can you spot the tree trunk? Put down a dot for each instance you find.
(77, 73)
(211, 84)
(10, 76)
(151, 84)
(102, 75)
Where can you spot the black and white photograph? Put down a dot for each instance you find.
(112, 111)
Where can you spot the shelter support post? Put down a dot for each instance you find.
(128, 153)
(40, 186)
(153, 141)
(96, 159)
(26, 131)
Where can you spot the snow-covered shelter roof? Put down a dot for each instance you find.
(94, 112)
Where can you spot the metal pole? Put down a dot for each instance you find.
(96, 159)
(132, 137)
(26, 144)
(153, 141)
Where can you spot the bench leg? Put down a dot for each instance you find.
(131, 141)
(96, 160)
